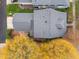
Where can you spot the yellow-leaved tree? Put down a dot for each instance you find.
(23, 47)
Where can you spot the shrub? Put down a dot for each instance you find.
(26, 48)
(59, 49)
(21, 48)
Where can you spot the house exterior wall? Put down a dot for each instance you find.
(25, 1)
(24, 6)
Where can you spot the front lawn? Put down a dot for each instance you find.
(14, 8)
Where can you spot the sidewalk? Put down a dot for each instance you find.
(9, 23)
(2, 45)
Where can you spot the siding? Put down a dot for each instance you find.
(25, 1)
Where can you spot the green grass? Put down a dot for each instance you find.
(77, 14)
(70, 15)
(77, 8)
(14, 8)
(8, 34)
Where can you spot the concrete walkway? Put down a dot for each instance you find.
(2, 45)
(9, 23)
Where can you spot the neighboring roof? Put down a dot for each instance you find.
(23, 1)
(56, 3)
